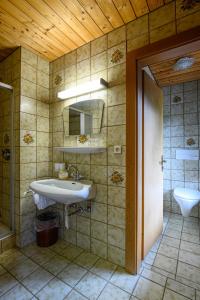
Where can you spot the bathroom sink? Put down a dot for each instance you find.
(64, 191)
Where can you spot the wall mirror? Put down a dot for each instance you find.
(83, 117)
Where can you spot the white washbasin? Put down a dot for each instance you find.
(64, 191)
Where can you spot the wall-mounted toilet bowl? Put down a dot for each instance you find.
(187, 199)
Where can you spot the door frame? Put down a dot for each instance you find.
(179, 44)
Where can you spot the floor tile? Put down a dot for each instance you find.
(86, 260)
(71, 252)
(17, 293)
(155, 277)
(74, 295)
(180, 288)
(114, 293)
(43, 257)
(124, 280)
(7, 282)
(10, 258)
(148, 290)
(192, 247)
(170, 295)
(166, 240)
(91, 286)
(189, 272)
(55, 289)
(72, 274)
(104, 269)
(173, 233)
(190, 238)
(59, 246)
(189, 258)
(56, 265)
(23, 269)
(165, 263)
(197, 295)
(37, 280)
(168, 251)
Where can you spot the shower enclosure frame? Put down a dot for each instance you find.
(12, 158)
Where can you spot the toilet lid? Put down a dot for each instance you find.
(187, 193)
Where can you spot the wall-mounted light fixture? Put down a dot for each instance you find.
(85, 88)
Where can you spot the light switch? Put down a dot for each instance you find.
(117, 149)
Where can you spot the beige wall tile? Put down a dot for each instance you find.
(83, 52)
(28, 88)
(99, 45)
(99, 230)
(137, 27)
(27, 154)
(29, 57)
(42, 124)
(70, 58)
(162, 32)
(117, 196)
(188, 22)
(116, 236)
(28, 72)
(99, 248)
(99, 62)
(116, 216)
(116, 255)
(138, 42)
(162, 16)
(28, 105)
(116, 36)
(27, 121)
(43, 79)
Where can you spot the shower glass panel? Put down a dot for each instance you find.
(6, 161)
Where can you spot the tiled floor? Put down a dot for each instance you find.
(171, 270)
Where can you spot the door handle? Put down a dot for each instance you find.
(162, 162)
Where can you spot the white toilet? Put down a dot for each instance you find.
(187, 199)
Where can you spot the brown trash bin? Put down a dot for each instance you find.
(47, 225)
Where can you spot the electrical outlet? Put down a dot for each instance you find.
(117, 149)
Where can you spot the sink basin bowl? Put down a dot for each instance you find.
(64, 191)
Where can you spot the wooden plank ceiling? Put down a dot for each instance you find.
(165, 75)
(52, 28)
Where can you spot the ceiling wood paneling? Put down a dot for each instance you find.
(52, 28)
(165, 75)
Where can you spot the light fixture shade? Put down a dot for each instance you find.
(183, 63)
(85, 88)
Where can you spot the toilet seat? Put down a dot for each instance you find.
(187, 194)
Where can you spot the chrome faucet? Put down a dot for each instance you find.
(74, 172)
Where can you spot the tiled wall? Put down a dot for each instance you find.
(103, 231)
(181, 122)
(34, 158)
(10, 74)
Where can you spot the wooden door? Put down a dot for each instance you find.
(152, 165)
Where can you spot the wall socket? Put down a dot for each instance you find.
(117, 149)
